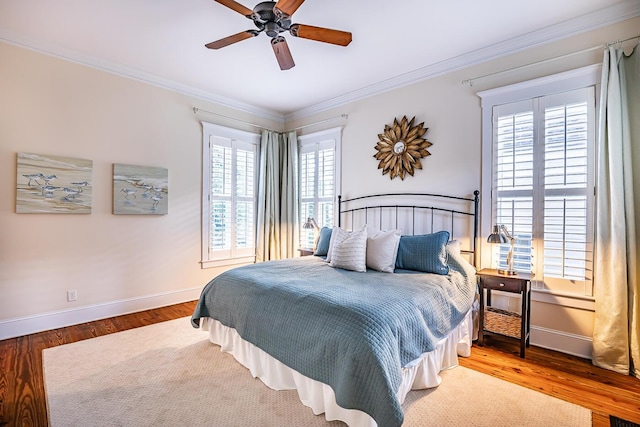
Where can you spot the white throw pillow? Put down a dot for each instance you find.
(457, 261)
(337, 236)
(351, 252)
(453, 246)
(382, 250)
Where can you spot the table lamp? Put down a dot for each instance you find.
(501, 235)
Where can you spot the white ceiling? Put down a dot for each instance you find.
(162, 41)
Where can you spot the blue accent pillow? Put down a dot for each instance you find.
(424, 253)
(323, 241)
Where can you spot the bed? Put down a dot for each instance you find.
(354, 341)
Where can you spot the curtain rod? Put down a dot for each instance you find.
(544, 61)
(341, 116)
(196, 110)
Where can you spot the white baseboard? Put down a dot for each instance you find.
(576, 345)
(16, 327)
(565, 342)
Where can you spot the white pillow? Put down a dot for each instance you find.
(382, 250)
(337, 236)
(457, 262)
(351, 253)
(453, 246)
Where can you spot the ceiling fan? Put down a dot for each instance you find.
(274, 18)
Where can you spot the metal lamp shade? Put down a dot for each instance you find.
(497, 236)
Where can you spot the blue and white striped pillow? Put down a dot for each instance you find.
(337, 236)
(351, 253)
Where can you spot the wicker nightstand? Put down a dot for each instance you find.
(502, 322)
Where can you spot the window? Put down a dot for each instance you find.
(229, 195)
(319, 182)
(542, 182)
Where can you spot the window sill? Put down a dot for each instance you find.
(564, 299)
(568, 300)
(227, 262)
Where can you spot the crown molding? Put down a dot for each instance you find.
(591, 21)
(71, 55)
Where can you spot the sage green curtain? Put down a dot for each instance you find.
(616, 334)
(277, 197)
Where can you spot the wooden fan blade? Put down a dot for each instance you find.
(326, 35)
(287, 7)
(237, 7)
(232, 39)
(283, 54)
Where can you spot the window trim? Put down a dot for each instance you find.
(548, 85)
(209, 130)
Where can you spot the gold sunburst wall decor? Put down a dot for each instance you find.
(401, 147)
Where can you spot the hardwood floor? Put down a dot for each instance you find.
(566, 377)
(22, 398)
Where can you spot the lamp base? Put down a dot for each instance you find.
(508, 272)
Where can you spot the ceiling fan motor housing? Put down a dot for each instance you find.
(265, 19)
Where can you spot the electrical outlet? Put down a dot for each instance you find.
(72, 295)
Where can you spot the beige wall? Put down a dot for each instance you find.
(56, 107)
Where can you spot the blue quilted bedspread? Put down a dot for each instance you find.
(352, 331)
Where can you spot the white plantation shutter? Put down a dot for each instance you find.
(326, 182)
(220, 200)
(245, 199)
(568, 197)
(229, 205)
(514, 176)
(318, 181)
(543, 186)
(307, 193)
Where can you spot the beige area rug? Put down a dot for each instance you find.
(169, 374)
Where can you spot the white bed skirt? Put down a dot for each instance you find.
(419, 374)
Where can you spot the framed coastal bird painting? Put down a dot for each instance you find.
(140, 190)
(53, 184)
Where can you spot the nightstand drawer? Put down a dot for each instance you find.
(502, 283)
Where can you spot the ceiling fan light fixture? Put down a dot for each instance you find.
(272, 29)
